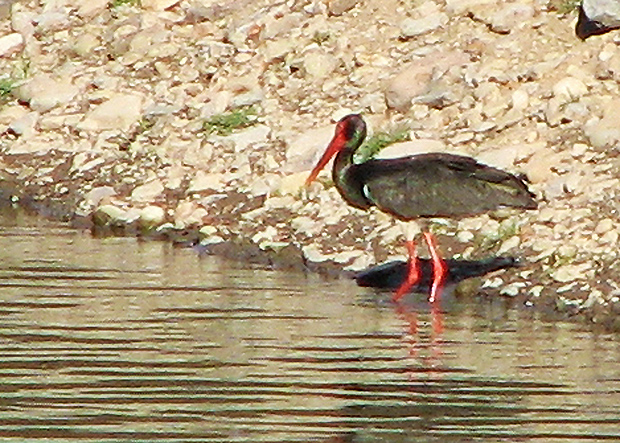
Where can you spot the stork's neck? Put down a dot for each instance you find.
(347, 181)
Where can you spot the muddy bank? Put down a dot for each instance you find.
(36, 199)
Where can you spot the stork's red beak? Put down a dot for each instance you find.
(334, 146)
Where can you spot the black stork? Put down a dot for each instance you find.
(428, 185)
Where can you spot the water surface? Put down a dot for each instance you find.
(119, 340)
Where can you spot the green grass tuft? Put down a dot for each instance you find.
(6, 87)
(491, 241)
(321, 37)
(226, 124)
(119, 3)
(564, 6)
(380, 140)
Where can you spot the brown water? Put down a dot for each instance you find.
(117, 340)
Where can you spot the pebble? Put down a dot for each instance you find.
(152, 216)
(313, 254)
(204, 181)
(318, 65)
(511, 244)
(38, 144)
(43, 92)
(464, 7)
(158, 5)
(513, 289)
(246, 138)
(375, 102)
(540, 167)
(465, 236)
(121, 111)
(292, 183)
(510, 17)
(306, 225)
(570, 272)
(339, 7)
(277, 49)
(503, 158)
(148, 191)
(409, 83)
(51, 20)
(109, 215)
(346, 257)
(9, 114)
(610, 238)
(207, 230)
(414, 27)
(269, 233)
(24, 126)
(604, 132)
(189, 213)
(604, 225)
(96, 195)
(90, 8)
(520, 99)
(360, 263)
(569, 89)
(85, 44)
(10, 44)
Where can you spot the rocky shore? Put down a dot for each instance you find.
(198, 121)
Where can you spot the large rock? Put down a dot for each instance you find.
(597, 17)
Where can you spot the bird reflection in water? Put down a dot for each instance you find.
(391, 275)
(415, 339)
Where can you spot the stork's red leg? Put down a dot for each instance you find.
(439, 268)
(413, 272)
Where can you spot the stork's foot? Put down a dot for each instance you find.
(440, 269)
(413, 272)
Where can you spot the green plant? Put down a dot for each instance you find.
(320, 37)
(145, 124)
(118, 3)
(380, 140)
(6, 87)
(491, 240)
(225, 124)
(564, 6)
